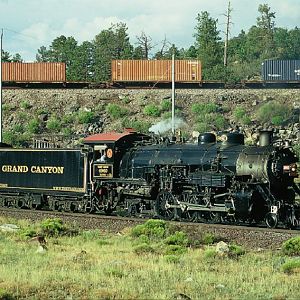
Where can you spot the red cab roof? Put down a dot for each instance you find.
(108, 136)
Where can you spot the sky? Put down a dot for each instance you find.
(30, 24)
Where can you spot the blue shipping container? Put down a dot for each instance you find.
(281, 70)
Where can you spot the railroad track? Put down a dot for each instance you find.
(251, 237)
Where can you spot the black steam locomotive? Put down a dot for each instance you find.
(135, 174)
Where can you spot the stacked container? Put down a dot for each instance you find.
(155, 71)
(33, 72)
(281, 70)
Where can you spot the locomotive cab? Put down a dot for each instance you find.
(108, 150)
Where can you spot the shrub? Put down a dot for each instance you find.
(144, 239)
(9, 137)
(209, 121)
(15, 139)
(85, 117)
(202, 127)
(144, 249)
(166, 105)
(152, 110)
(246, 120)
(7, 107)
(239, 113)
(53, 124)
(27, 233)
(22, 116)
(52, 227)
(277, 120)
(154, 229)
(115, 111)
(274, 111)
(204, 108)
(69, 118)
(25, 104)
(67, 131)
(175, 250)
(219, 122)
(210, 253)
(19, 128)
(208, 239)
(236, 250)
(291, 247)
(178, 238)
(126, 100)
(42, 111)
(168, 114)
(291, 266)
(33, 126)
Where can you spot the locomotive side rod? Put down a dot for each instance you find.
(185, 206)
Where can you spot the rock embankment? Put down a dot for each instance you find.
(21, 106)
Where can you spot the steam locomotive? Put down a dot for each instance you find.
(211, 180)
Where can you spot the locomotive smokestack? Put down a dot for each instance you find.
(265, 137)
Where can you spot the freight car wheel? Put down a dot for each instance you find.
(163, 206)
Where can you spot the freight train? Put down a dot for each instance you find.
(217, 180)
(147, 74)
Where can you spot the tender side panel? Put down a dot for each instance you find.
(48, 170)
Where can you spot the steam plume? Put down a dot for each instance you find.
(165, 125)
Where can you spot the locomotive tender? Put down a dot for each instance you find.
(135, 174)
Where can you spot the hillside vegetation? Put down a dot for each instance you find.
(65, 116)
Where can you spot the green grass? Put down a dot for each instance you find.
(96, 265)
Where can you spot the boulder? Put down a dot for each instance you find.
(222, 248)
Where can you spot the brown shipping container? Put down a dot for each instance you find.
(33, 72)
(155, 70)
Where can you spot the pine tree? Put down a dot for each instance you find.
(109, 44)
(208, 46)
